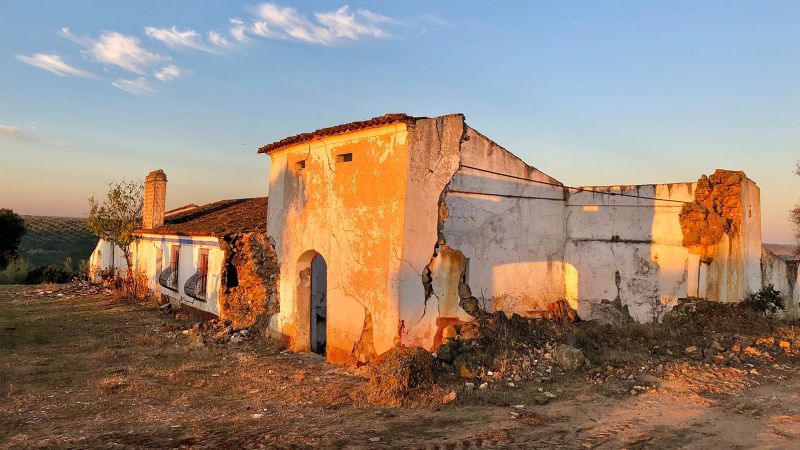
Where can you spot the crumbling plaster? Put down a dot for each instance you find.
(432, 220)
(627, 249)
(783, 276)
(351, 213)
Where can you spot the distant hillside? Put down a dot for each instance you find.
(50, 240)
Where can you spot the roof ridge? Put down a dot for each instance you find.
(385, 119)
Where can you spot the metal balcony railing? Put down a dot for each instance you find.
(169, 278)
(196, 286)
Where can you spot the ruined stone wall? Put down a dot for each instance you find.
(722, 225)
(433, 158)
(250, 277)
(626, 260)
(783, 276)
(485, 235)
(510, 229)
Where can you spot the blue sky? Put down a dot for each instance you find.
(590, 92)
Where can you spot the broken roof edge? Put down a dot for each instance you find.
(551, 179)
(386, 119)
(672, 183)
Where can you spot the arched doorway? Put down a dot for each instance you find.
(311, 303)
(319, 304)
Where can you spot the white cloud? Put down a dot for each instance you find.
(112, 48)
(137, 86)
(273, 21)
(14, 133)
(218, 39)
(177, 39)
(54, 64)
(168, 73)
(238, 29)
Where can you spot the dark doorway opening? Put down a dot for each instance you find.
(319, 304)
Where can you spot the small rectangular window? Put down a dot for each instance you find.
(202, 261)
(159, 260)
(174, 256)
(300, 165)
(344, 157)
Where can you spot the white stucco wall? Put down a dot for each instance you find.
(432, 206)
(146, 261)
(511, 230)
(104, 256)
(433, 158)
(637, 238)
(144, 254)
(751, 233)
(782, 277)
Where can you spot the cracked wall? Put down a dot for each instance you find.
(431, 220)
(627, 251)
(783, 275)
(481, 239)
(351, 213)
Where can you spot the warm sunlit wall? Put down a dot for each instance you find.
(351, 213)
(515, 239)
(146, 255)
(628, 249)
(510, 248)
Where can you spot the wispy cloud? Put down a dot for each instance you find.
(238, 29)
(434, 19)
(169, 73)
(179, 39)
(136, 86)
(218, 39)
(112, 48)
(11, 132)
(266, 20)
(273, 21)
(53, 63)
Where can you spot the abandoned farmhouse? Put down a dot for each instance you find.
(392, 231)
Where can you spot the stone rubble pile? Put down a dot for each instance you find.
(71, 290)
(210, 332)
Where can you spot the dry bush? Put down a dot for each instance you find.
(133, 287)
(691, 323)
(403, 376)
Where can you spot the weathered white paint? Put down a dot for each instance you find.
(144, 254)
(629, 249)
(434, 205)
(783, 276)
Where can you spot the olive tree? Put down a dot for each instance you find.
(12, 227)
(794, 215)
(114, 218)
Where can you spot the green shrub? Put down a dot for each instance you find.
(16, 272)
(48, 274)
(767, 300)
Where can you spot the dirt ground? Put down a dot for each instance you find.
(94, 372)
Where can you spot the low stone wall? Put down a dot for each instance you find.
(250, 276)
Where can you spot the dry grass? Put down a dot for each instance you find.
(100, 372)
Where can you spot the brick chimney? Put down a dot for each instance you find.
(155, 196)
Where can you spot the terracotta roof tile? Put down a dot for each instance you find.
(338, 129)
(219, 219)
